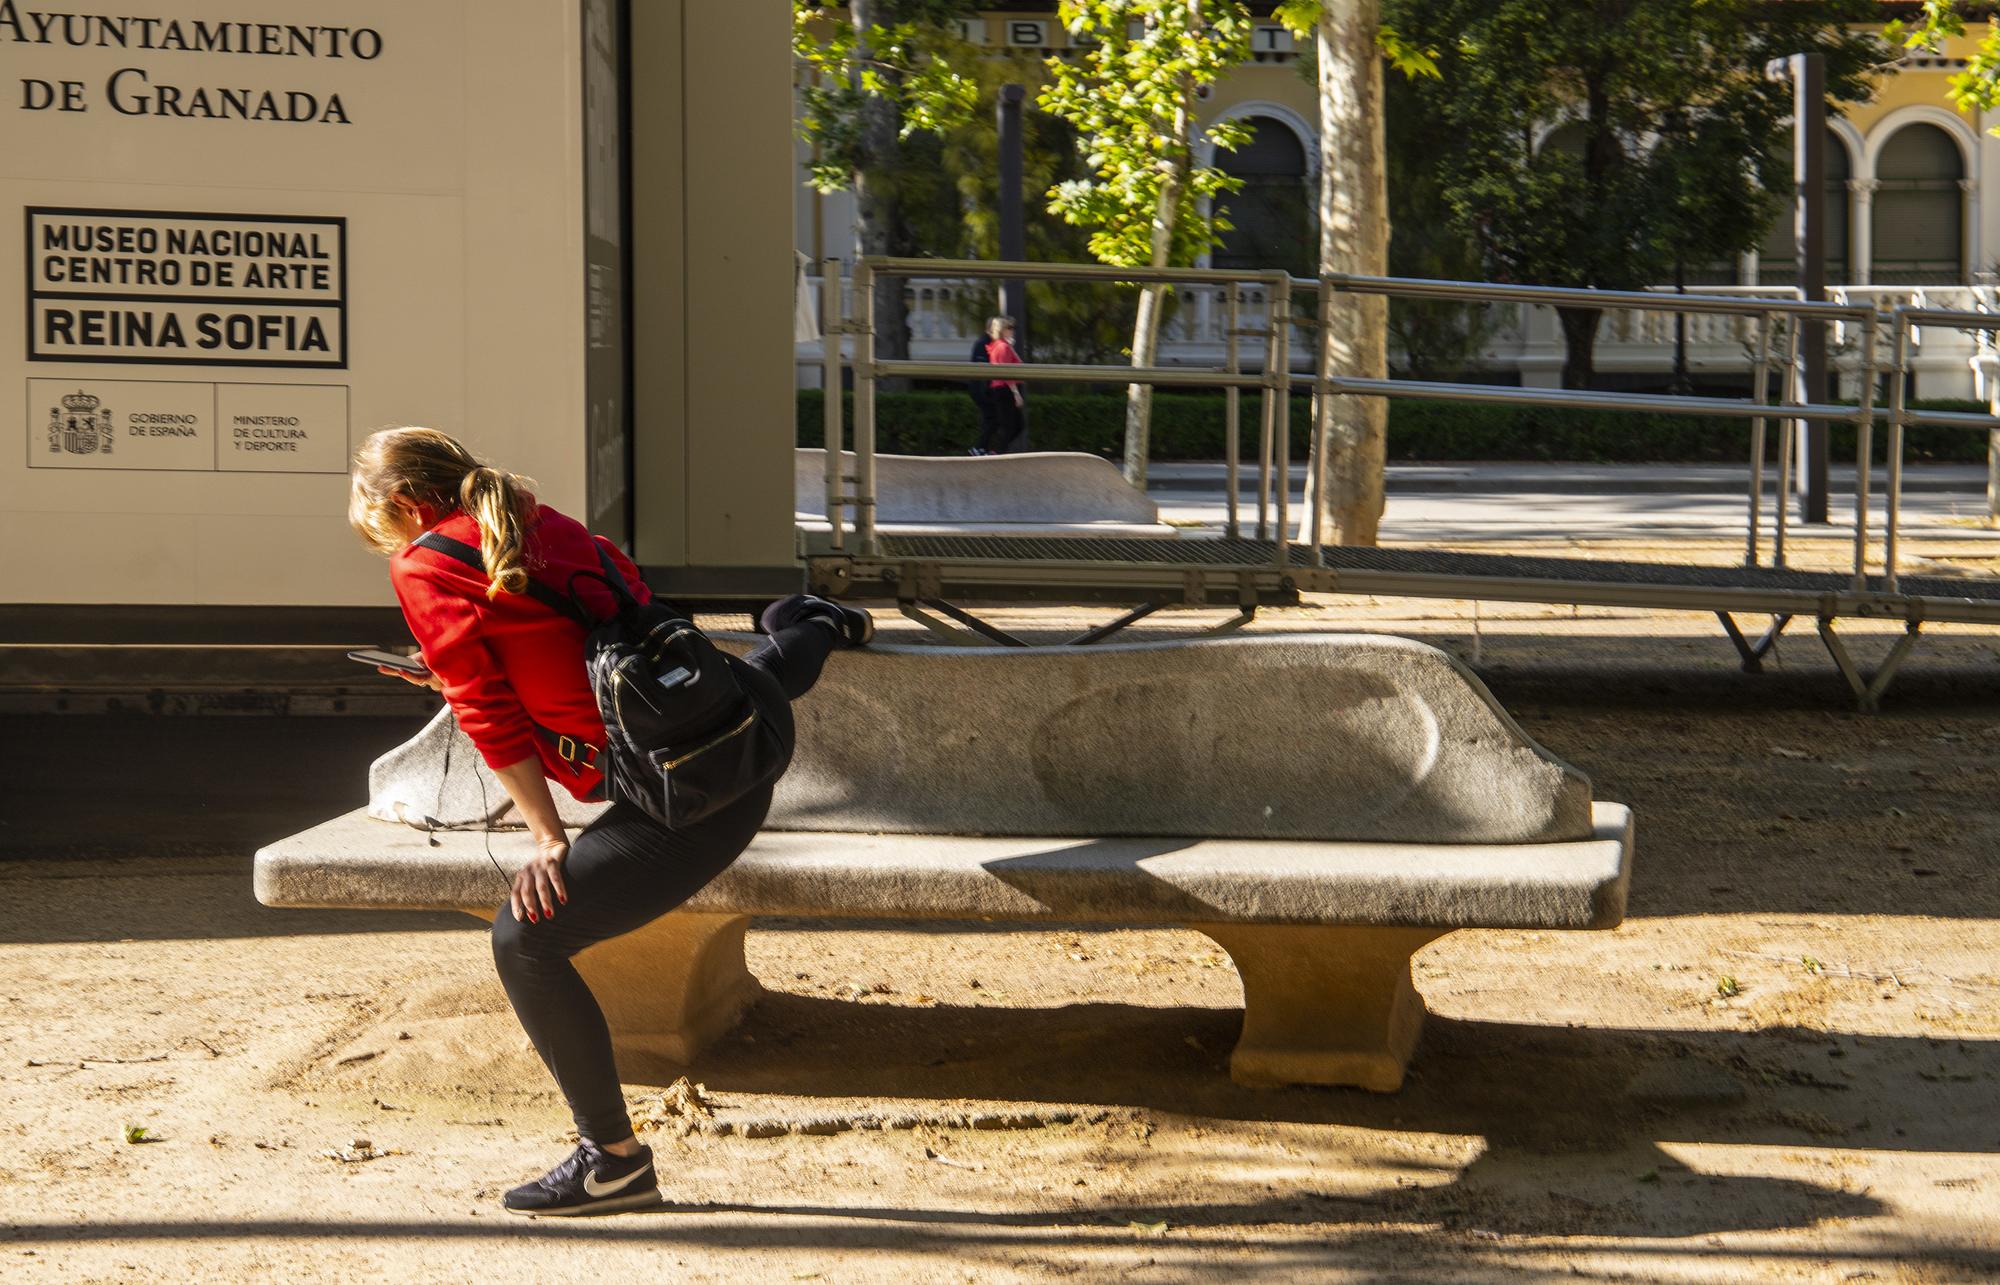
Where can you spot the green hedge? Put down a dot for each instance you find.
(1190, 427)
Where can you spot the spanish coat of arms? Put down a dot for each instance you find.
(81, 425)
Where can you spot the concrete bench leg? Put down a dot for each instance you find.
(1324, 1005)
(671, 988)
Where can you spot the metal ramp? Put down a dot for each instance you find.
(930, 575)
(936, 573)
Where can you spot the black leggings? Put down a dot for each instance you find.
(627, 870)
(1000, 421)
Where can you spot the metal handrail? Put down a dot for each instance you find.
(1277, 380)
(1050, 373)
(1903, 321)
(990, 270)
(1556, 296)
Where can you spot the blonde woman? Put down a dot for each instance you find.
(512, 669)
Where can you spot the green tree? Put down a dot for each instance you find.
(1435, 339)
(1977, 88)
(882, 72)
(1131, 96)
(1600, 142)
(1087, 324)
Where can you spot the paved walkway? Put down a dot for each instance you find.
(1458, 503)
(1548, 479)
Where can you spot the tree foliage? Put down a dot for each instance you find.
(1602, 142)
(1977, 88)
(1130, 97)
(1086, 324)
(913, 62)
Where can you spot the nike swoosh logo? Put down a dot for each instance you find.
(594, 1189)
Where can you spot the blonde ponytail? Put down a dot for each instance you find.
(502, 507)
(433, 469)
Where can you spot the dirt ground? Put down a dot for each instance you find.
(1785, 1065)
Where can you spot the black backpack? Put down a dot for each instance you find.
(683, 737)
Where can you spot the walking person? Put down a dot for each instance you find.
(1005, 407)
(513, 670)
(981, 392)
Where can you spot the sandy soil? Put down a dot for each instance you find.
(1784, 1065)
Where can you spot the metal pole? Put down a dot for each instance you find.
(1278, 377)
(1231, 409)
(1864, 441)
(1993, 461)
(1267, 411)
(1992, 438)
(1319, 424)
(1898, 411)
(1013, 234)
(1787, 434)
(863, 287)
(1809, 227)
(1760, 392)
(831, 327)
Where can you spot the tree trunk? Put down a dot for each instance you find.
(1579, 327)
(1139, 397)
(1353, 237)
(876, 212)
(1179, 134)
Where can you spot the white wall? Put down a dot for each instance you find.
(458, 178)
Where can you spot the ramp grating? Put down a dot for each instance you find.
(1257, 555)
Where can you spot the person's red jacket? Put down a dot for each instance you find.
(509, 662)
(1001, 353)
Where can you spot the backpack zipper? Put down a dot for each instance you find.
(704, 748)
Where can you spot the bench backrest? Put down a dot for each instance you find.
(1296, 736)
(1285, 736)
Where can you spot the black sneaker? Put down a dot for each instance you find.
(589, 1182)
(854, 627)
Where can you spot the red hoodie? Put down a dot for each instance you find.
(509, 662)
(1001, 353)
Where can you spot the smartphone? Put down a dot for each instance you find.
(389, 660)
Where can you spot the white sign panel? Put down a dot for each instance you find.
(235, 238)
(178, 426)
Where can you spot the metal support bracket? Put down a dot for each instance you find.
(1868, 691)
(1111, 627)
(970, 629)
(975, 631)
(1244, 615)
(1753, 653)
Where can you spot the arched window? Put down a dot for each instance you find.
(1271, 215)
(1919, 223)
(1777, 261)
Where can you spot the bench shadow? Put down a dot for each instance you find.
(187, 899)
(972, 1238)
(1572, 1147)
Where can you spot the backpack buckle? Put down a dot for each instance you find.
(578, 754)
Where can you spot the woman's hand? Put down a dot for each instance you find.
(538, 889)
(425, 679)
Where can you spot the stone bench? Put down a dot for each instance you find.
(1034, 493)
(1322, 806)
